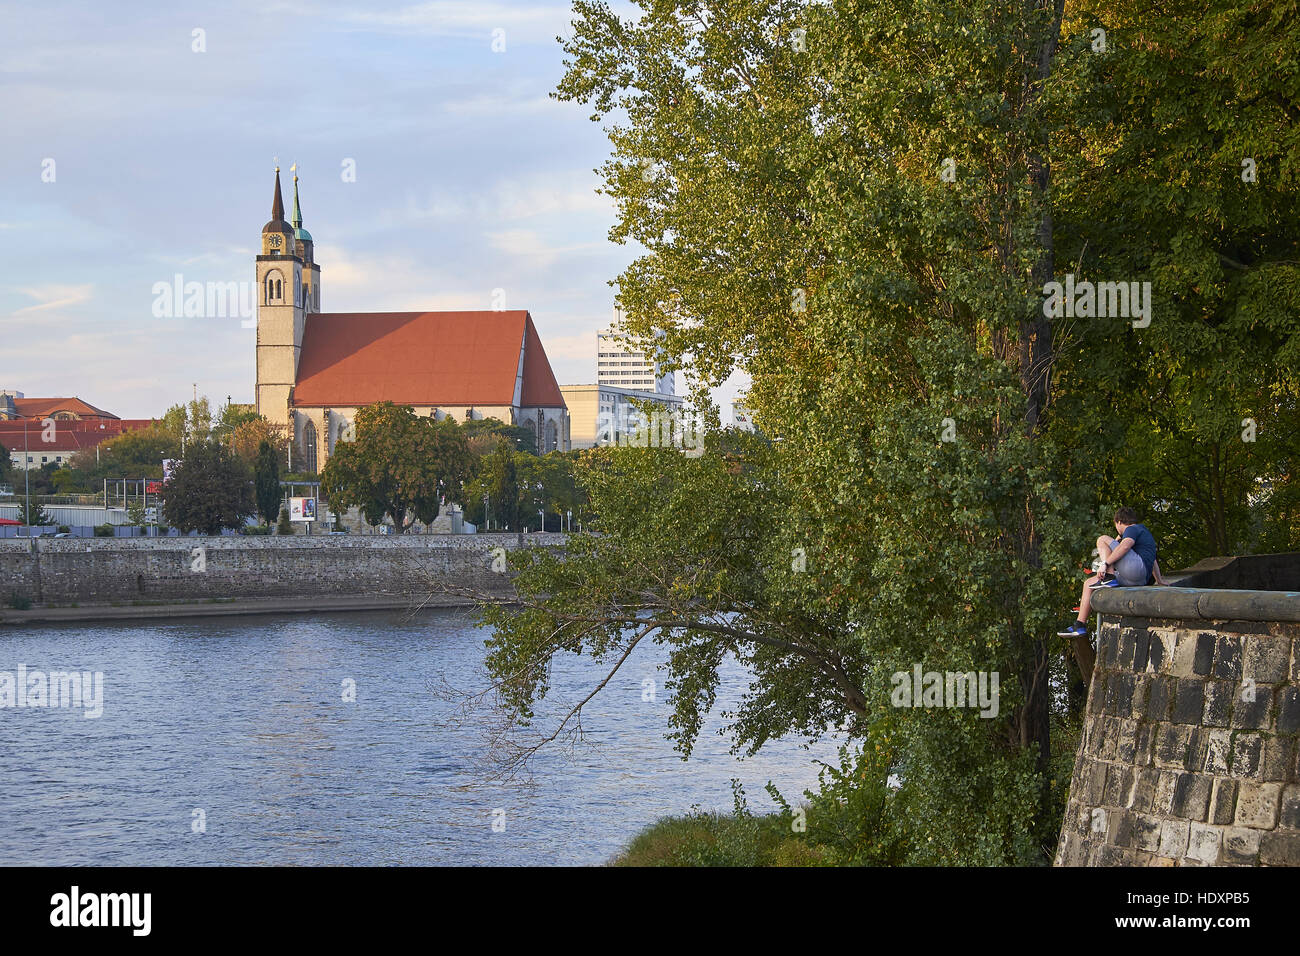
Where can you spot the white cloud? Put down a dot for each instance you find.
(55, 297)
(523, 23)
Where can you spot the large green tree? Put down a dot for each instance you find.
(400, 465)
(860, 204)
(266, 482)
(209, 489)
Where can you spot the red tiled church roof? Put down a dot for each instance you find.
(423, 358)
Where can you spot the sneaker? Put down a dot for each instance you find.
(1074, 630)
(1110, 582)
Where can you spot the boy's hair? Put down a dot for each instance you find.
(1126, 515)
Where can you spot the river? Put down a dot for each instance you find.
(229, 741)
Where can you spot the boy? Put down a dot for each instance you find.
(1128, 561)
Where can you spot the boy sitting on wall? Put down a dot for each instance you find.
(1127, 561)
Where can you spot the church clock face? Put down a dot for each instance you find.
(274, 241)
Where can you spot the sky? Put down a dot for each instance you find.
(130, 157)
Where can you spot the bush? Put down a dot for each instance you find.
(285, 526)
(255, 529)
(18, 602)
(64, 529)
(103, 531)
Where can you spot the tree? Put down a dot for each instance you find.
(6, 466)
(481, 433)
(399, 465)
(249, 434)
(285, 524)
(133, 454)
(790, 191)
(865, 216)
(32, 514)
(498, 479)
(209, 489)
(266, 482)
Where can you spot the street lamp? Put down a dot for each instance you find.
(541, 518)
(27, 477)
(487, 524)
(569, 515)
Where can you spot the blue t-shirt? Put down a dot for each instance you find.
(1143, 544)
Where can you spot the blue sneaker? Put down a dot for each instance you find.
(1110, 582)
(1074, 630)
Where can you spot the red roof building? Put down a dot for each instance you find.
(316, 369)
(40, 431)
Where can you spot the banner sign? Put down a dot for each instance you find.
(302, 509)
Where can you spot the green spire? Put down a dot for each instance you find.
(298, 230)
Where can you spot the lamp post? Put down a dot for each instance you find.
(27, 477)
(486, 523)
(541, 519)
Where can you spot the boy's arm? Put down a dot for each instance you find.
(1121, 549)
(1155, 570)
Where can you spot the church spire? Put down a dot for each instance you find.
(297, 210)
(277, 207)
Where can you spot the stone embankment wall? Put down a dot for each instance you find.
(1192, 732)
(113, 570)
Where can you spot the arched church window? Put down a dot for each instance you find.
(309, 446)
(278, 293)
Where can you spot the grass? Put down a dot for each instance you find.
(718, 839)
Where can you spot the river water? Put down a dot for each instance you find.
(238, 728)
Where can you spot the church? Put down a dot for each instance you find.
(315, 369)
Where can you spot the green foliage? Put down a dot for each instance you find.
(210, 489)
(943, 453)
(31, 512)
(518, 485)
(266, 482)
(399, 465)
(19, 602)
(285, 524)
(482, 434)
(103, 531)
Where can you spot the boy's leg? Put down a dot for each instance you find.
(1085, 600)
(1105, 545)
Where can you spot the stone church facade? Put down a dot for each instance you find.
(316, 369)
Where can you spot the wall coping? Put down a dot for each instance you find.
(1205, 604)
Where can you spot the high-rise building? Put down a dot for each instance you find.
(623, 363)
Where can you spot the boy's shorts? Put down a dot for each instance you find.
(1131, 571)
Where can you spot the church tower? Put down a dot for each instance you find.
(282, 280)
(306, 252)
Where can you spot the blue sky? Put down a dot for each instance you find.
(469, 178)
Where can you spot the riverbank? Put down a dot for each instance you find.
(226, 607)
(76, 573)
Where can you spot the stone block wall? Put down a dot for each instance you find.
(124, 570)
(1190, 747)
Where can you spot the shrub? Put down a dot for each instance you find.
(18, 602)
(285, 526)
(103, 531)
